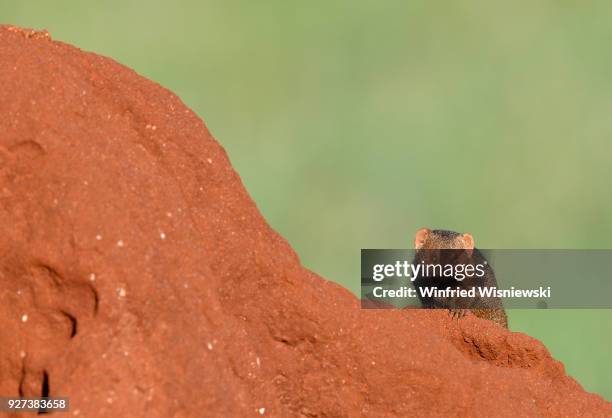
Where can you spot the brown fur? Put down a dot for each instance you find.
(429, 241)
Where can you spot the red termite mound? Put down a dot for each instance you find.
(138, 277)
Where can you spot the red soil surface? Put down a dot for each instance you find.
(138, 278)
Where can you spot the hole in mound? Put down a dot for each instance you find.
(73, 324)
(96, 299)
(44, 393)
(22, 379)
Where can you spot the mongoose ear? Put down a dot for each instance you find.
(420, 237)
(469, 241)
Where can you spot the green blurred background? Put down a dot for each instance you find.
(354, 123)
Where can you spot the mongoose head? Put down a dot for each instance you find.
(426, 239)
